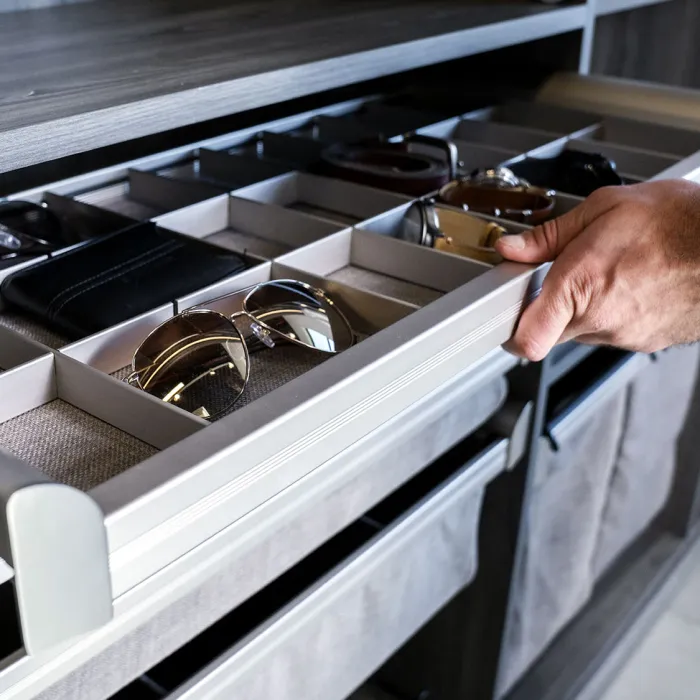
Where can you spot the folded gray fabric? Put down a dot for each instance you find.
(554, 578)
(657, 405)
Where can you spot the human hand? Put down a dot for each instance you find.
(626, 271)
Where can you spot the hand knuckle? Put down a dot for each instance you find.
(582, 286)
(547, 236)
(604, 195)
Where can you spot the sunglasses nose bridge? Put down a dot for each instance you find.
(262, 334)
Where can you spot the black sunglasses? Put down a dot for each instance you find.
(28, 228)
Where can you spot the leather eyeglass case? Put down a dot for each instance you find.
(111, 279)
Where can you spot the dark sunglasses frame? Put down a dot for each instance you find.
(15, 243)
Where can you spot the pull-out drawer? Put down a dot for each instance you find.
(345, 608)
(425, 318)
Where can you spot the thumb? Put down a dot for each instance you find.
(544, 321)
(542, 243)
(545, 242)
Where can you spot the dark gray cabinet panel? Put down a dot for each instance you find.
(656, 43)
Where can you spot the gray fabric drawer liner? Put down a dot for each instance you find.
(657, 406)
(169, 629)
(555, 576)
(31, 329)
(71, 446)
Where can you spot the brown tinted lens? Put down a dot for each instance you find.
(196, 361)
(300, 313)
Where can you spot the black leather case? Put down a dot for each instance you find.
(116, 277)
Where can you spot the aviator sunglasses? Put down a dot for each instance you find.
(199, 360)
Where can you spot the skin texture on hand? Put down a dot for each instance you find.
(626, 271)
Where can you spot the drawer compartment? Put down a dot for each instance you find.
(555, 575)
(642, 135)
(392, 224)
(16, 349)
(352, 603)
(144, 195)
(248, 227)
(78, 426)
(657, 403)
(507, 137)
(343, 203)
(234, 170)
(385, 266)
(112, 350)
(558, 121)
(633, 165)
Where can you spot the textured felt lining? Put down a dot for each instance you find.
(71, 446)
(392, 287)
(246, 243)
(26, 326)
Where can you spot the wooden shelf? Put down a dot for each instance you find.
(83, 76)
(609, 7)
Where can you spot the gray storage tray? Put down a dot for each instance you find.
(174, 520)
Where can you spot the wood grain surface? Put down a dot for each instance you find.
(83, 76)
(657, 43)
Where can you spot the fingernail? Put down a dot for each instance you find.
(514, 241)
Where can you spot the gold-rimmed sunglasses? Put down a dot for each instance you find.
(199, 360)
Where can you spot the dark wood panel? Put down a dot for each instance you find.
(656, 43)
(90, 75)
(71, 59)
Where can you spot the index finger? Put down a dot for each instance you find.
(545, 242)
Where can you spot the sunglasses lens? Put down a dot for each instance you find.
(412, 226)
(197, 361)
(32, 220)
(300, 313)
(9, 241)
